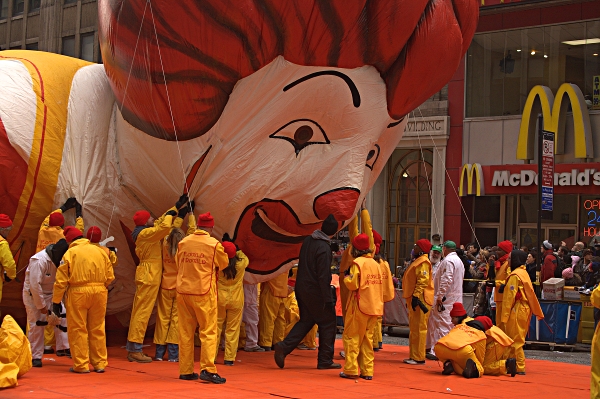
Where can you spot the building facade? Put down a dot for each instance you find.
(68, 27)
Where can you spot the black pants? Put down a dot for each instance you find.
(310, 314)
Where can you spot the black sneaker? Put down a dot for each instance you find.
(64, 352)
(430, 356)
(188, 377)
(48, 351)
(266, 348)
(36, 362)
(329, 366)
(470, 370)
(228, 362)
(511, 366)
(210, 377)
(448, 368)
(279, 356)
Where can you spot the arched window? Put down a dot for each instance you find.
(409, 202)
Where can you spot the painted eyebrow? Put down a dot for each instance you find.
(346, 78)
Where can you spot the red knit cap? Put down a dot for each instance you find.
(506, 246)
(206, 220)
(94, 233)
(486, 321)
(361, 242)
(5, 221)
(141, 217)
(229, 248)
(424, 244)
(56, 219)
(291, 282)
(377, 240)
(458, 310)
(71, 233)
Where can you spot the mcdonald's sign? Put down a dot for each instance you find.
(473, 174)
(554, 111)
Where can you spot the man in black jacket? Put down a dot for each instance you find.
(314, 296)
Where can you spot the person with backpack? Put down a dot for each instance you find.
(549, 262)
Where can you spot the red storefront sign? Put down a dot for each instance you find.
(582, 178)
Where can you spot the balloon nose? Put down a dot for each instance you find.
(341, 202)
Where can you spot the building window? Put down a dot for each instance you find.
(68, 46)
(87, 47)
(409, 202)
(31, 46)
(34, 5)
(70, 1)
(502, 67)
(3, 9)
(18, 7)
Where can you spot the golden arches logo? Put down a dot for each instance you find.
(472, 173)
(554, 111)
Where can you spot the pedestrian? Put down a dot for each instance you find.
(51, 229)
(82, 278)
(387, 285)
(147, 237)
(497, 349)
(271, 320)
(417, 289)
(518, 303)
(448, 289)
(364, 281)
(501, 272)
(37, 297)
(8, 268)
(231, 300)
(199, 259)
(314, 296)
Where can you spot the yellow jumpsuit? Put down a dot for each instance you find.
(271, 321)
(389, 293)
(417, 282)
(365, 305)
(461, 344)
(347, 258)
(501, 276)
(231, 306)
(199, 258)
(292, 316)
(7, 263)
(497, 349)
(166, 329)
(148, 274)
(595, 380)
(46, 236)
(82, 277)
(516, 313)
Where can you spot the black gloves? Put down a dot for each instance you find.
(112, 249)
(69, 204)
(182, 201)
(56, 309)
(501, 288)
(6, 278)
(78, 210)
(171, 213)
(226, 237)
(183, 211)
(414, 303)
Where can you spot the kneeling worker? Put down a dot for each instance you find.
(199, 258)
(462, 350)
(497, 348)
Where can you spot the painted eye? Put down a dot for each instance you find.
(372, 156)
(301, 133)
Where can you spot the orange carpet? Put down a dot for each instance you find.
(255, 375)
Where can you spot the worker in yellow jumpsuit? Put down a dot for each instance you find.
(94, 234)
(82, 278)
(417, 289)
(519, 302)
(501, 270)
(147, 236)
(595, 380)
(231, 300)
(497, 348)
(462, 350)
(347, 259)
(389, 292)
(8, 268)
(271, 321)
(51, 231)
(166, 329)
(365, 304)
(292, 315)
(199, 259)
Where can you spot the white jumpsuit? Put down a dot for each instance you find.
(250, 314)
(448, 282)
(37, 297)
